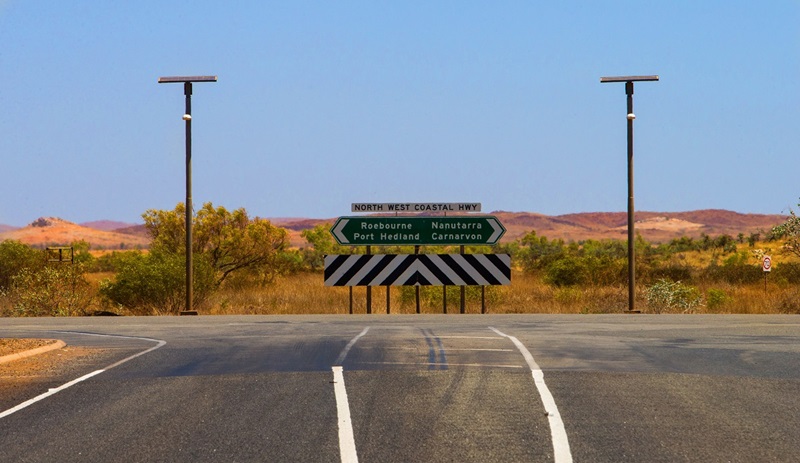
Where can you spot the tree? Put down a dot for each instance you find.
(230, 241)
(790, 231)
(16, 256)
(322, 244)
(536, 252)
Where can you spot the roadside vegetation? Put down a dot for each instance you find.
(244, 265)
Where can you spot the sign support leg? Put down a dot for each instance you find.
(388, 299)
(463, 293)
(369, 288)
(416, 251)
(483, 299)
(351, 300)
(444, 299)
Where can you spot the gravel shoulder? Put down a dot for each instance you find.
(10, 346)
(23, 378)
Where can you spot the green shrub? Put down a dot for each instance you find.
(670, 271)
(14, 257)
(52, 290)
(567, 271)
(155, 283)
(733, 272)
(665, 295)
(432, 296)
(790, 302)
(788, 272)
(716, 298)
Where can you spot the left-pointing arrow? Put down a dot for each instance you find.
(338, 231)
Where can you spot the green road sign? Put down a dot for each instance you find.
(394, 231)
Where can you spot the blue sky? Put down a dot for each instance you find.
(322, 104)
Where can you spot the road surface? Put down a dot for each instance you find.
(539, 388)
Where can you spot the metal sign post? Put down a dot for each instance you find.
(766, 265)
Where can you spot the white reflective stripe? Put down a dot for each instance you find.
(48, 394)
(561, 450)
(347, 442)
(349, 346)
(488, 265)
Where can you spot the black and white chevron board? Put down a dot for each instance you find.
(418, 270)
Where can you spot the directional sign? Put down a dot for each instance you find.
(394, 231)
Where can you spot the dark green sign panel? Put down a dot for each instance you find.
(395, 231)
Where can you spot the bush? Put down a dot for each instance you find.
(52, 290)
(665, 295)
(716, 298)
(432, 296)
(735, 273)
(790, 303)
(788, 272)
(671, 271)
(567, 271)
(14, 257)
(155, 283)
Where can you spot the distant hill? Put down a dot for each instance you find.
(656, 227)
(106, 225)
(53, 231)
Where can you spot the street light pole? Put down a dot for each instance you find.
(629, 80)
(187, 117)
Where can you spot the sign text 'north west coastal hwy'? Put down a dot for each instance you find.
(415, 207)
(396, 231)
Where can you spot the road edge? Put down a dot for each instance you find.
(56, 344)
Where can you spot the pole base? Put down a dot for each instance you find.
(631, 311)
(188, 312)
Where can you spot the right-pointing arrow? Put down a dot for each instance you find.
(498, 230)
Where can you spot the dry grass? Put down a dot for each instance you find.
(305, 294)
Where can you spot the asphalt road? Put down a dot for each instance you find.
(611, 388)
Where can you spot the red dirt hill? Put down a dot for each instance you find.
(53, 231)
(657, 227)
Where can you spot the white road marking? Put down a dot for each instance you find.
(561, 450)
(349, 346)
(347, 441)
(48, 394)
(451, 364)
(481, 350)
(56, 390)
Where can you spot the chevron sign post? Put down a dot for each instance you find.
(394, 231)
(418, 270)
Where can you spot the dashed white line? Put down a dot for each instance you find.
(486, 365)
(480, 350)
(347, 441)
(349, 346)
(561, 450)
